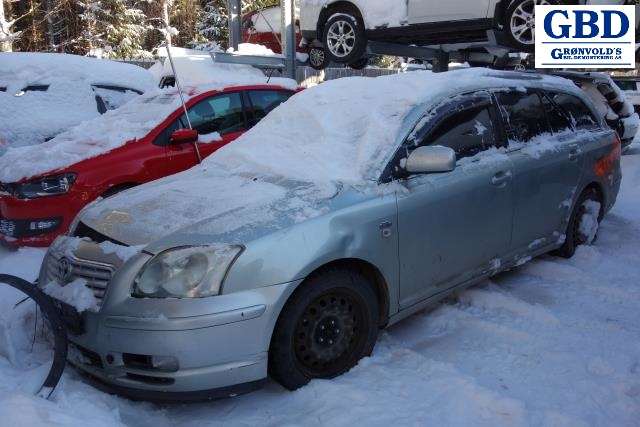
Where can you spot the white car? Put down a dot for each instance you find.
(44, 94)
(611, 102)
(630, 85)
(342, 28)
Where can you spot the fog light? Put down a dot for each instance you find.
(164, 363)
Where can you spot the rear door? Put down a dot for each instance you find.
(548, 163)
(453, 226)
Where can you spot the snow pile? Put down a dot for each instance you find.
(75, 293)
(33, 116)
(589, 222)
(253, 49)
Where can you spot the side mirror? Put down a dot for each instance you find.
(183, 136)
(431, 159)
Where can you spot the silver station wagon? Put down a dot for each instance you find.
(351, 206)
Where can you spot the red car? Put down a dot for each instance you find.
(43, 187)
(263, 27)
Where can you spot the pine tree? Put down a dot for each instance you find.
(115, 26)
(212, 27)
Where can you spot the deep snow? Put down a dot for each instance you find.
(553, 343)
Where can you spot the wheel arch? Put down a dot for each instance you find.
(370, 272)
(336, 7)
(601, 194)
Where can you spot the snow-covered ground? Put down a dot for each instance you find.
(553, 343)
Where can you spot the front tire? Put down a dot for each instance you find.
(325, 328)
(519, 23)
(583, 223)
(344, 38)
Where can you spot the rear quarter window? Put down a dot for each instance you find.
(580, 115)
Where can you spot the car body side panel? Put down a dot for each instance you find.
(422, 11)
(442, 241)
(546, 182)
(364, 231)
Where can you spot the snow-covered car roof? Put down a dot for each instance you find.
(346, 129)
(42, 94)
(23, 68)
(109, 131)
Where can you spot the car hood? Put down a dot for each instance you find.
(200, 207)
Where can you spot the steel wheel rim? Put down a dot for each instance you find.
(522, 23)
(341, 38)
(329, 333)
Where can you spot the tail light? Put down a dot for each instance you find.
(605, 165)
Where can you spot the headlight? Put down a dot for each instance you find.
(191, 272)
(49, 186)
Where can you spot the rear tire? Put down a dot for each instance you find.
(519, 23)
(325, 328)
(318, 59)
(344, 38)
(575, 235)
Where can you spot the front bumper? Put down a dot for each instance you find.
(169, 348)
(207, 356)
(35, 222)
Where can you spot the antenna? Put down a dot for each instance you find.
(184, 107)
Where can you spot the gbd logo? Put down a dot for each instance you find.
(586, 24)
(585, 36)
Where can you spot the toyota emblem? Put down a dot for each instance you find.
(65, 269)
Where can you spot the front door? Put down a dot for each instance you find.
(455, 225)
(218, 119)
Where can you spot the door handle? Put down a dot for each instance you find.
(501, 178)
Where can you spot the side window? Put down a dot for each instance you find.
(263, 101)
(163, 137)
(580, 115)
(221, 113)
(467, 132)
(523, 115)
(557, 120)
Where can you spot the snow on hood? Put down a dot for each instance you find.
(335, 135)
(37, 115)
(205, 203)
(102, 134)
